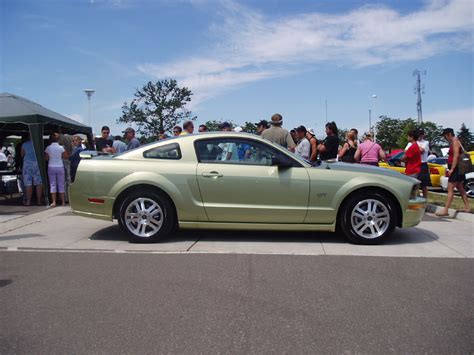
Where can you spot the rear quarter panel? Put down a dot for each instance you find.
(107, 179)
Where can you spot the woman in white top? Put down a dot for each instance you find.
(55, 155)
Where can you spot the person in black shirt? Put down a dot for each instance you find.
(104, 144)
(329, 147)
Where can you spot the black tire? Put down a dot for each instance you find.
(469, 187)
(146, 216)
(367, 218)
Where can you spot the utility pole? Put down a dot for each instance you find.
(370, 121)
(326, 111)
(419, 89)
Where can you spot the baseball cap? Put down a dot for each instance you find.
(263, 123)
(311, 131)
(238, 129)
(447, 131)
(301, 129)
(129, 129)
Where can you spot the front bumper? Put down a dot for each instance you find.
(414, 212)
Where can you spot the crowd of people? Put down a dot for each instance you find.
(63, 154)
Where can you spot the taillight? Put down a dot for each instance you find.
(434, 171)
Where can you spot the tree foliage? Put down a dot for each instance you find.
(392, 132)
(466, 138)
(389, 131)
(342, 133)
(249, 127)
(157, 106)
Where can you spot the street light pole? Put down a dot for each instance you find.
(370, 121)
(374, 99)
(89, 93)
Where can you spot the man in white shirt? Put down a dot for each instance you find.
(303, 149)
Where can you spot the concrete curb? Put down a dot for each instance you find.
(454, 214)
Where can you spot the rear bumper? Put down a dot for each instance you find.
(414, 212)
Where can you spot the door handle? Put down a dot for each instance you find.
(212, 174)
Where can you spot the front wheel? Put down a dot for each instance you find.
(367, 218)
(146, 216)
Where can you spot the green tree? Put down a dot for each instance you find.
(408, 124)
(249, 127)
(433, 134)
(157, 106)
(213, 125)
(389, 131)
(466, 138)
(341, 133)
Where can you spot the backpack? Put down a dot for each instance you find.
(465, 163)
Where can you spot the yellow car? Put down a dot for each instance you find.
(436, 170)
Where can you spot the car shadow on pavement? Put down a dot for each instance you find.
(399, 236)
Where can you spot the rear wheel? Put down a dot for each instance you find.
(146, 216)
(367, 218)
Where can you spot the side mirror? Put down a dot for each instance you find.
(281, 163)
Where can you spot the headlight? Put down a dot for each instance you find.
(414, 191)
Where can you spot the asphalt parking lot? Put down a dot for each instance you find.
(75, 285)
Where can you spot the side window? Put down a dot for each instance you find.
(169, 151)
(234, 151)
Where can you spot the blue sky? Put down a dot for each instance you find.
(244, 60)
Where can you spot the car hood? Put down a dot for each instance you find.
(365, 169)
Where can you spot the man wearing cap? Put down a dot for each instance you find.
(261, 126)
(130, 137)
(456, 179)
(303, 148)
(279, 135)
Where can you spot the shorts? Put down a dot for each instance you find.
(456, 176)
(373, 163)
(424, 175)
(31, 173)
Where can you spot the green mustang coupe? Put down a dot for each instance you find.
(240, 181)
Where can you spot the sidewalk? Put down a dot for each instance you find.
(58, 229)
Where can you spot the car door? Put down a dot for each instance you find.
(238, 182)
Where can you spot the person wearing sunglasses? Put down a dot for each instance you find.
(103, 144)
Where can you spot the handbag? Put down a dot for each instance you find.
(465, 163)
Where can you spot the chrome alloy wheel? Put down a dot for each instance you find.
(370, 218)
(143, 217)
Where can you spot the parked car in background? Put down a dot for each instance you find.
(203, 182)
(439, 160)
(395, 163)
(468, 185)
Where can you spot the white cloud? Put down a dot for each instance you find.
(251, 46)
(452, 118)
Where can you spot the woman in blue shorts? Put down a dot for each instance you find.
(31, 173)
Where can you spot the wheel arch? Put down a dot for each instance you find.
(374, 189)
(140, 187)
